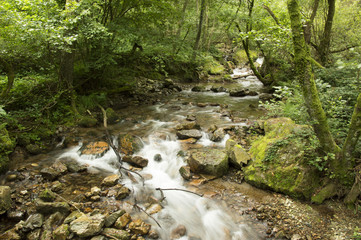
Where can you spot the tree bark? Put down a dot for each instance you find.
(306, 79)
(324, 48)
(200, 26)
(10, 73)
(310, 21)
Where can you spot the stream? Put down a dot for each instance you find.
(202, 217)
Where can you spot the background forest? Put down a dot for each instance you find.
(60, 59)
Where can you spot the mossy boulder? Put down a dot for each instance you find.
(129, 144)
(238, 156)
(280, 159)
(208, 161)
(6, 147)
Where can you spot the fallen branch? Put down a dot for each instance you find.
(176, 189)
(135, 205)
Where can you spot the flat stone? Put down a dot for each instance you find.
(87, 226)
(187, 126)
(116, 234)
(112, 218)
(208, 161)
(122, 221)
(52, 207)
(97, 149)
(186, 134)
(136, 161)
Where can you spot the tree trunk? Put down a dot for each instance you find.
(302, 60)
(200, 26)
(9, 68)
(310, 21)
(324, 48)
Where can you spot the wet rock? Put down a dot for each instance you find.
(202, 105)
(154, 208)
(237, 155)
(34, 221)
(193, 133)
(218, 89)
(296, 237)
(52, 207)
(98, 238)
(129, 144)
(252, 93)
(116, 234)
(53, 221)
(62, 232)
(73, 165)
(119, 192)
(188, 141)
(33, 149)
(49, 173)
(11, 177)
(110, 220)
(185, 172)
(10, 235)
(87, 226)
(122, 221)
(187, 126)
(198, 89)
(56, 186)
(5, 199)
(157, 157)
(153, 234)
(191, 117)
(238, 93)
(72, 216)
(136, 161)
(95, 191)
(208, 161)
(178, 232)
(218, 135)
(198, 182)
(97, 149)
(111, 180)
(47, 195)
(139, 227)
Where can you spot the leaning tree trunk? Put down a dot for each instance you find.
(10, 73)
(302, 60)
(324, 47)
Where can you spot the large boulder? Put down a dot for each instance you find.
(188, 125)
(5, 199)
(208, 161)
(238, 156)
(280, 159)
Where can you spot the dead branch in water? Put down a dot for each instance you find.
(115, 149)
(135, 205)
(175, 189)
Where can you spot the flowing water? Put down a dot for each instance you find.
(203, 218)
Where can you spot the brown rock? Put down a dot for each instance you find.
(136, 161)
(122, 221)
(111, 180)
(139, 227)
(178, 232)
(95, 148)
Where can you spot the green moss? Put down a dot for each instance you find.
(213, 67)
(240, 57)
(111, 115)
(6, 147)
(87, 121)
(4, 163)
(47, 195)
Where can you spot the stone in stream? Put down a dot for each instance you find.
(122, 221)
(47, 195)
(62, 232)
(265, 97)
(185, 172)
(209, 161)
(111, 180)
(198, 89)
(110, 219)
(97, 149)
(73, 165)
(51, 207)
(129, 144)
(188, 126)
(87, 225)
(157, 157)
(238, 93)
(5, 199)
(237, 155)
(113, 233)
(218, 89)
(136, 161)
(191, 117)
(193, 133)
(202, 105)
(178, 232)
(139, 227)
(34, 221)
(218, 135)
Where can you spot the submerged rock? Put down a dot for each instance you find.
(178, 232)
(208, 161)
(279, 161)
(136, 161)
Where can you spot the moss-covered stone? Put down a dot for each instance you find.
(129, 144)
(279, 162)
(208, 161)
(47, 195)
